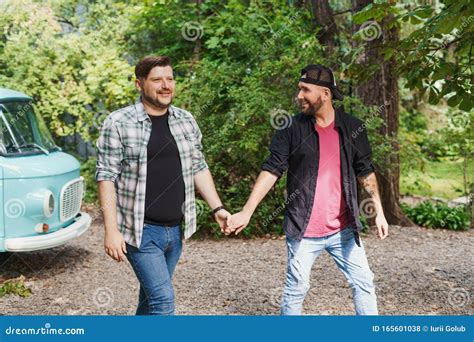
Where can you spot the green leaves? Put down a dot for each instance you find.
(15, 286)
(467, 103)
(375, 11)
(212, 43)
(73, 71)
(438, 215)
(435, 49)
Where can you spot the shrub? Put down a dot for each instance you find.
(438, 215)
(88, 172)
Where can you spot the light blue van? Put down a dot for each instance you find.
(41, 188)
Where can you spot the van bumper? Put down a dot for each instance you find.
(49, 240)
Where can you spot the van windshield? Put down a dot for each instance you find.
(22, 131)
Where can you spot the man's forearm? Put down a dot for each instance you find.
(205, 186)
(108, 204)
(263, 184)
(369, 183)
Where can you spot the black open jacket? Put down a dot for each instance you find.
(296, 149)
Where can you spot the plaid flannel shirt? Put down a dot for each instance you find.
(122, 159)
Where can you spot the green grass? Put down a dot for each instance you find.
(440, 179)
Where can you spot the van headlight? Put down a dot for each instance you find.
(48, 203)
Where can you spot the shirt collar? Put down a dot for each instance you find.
(338, 116)
(142, 114)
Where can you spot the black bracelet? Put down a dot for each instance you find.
(214, 211)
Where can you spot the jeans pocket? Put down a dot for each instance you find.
(347, 233)
(292, 245)
(145, 237)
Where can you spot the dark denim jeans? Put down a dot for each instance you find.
(153, 264)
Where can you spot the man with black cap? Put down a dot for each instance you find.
(324, 151)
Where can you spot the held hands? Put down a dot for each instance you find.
(115, 247)
(222, 217)
(232, 223)
(238, 222)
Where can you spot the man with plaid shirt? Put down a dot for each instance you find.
(149, 163)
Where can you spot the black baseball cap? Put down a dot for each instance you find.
(322, 76)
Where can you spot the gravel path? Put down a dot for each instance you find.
(418, 271)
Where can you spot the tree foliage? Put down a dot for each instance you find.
(237, 64)
(69, 62)
(435, 55)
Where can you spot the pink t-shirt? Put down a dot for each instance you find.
(329, 208)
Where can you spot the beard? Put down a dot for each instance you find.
(312, 108)
(155, 101)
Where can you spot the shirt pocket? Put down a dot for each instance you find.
(132, 144)
(184, 135)
(132, 153)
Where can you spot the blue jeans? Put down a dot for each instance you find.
(349, 258)
(154, 263)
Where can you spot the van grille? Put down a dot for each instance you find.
(71, 198)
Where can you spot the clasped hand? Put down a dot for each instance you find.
(232, 223)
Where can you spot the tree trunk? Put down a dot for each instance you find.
(471, 203)
(198, 43)
(381, 90)
(324, 18)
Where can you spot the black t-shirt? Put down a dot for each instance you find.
(164, 182)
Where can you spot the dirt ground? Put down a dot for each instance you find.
(417, 271)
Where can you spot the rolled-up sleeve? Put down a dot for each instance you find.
(277, 161)
(363, 154)
(198, 159)
(109, 152)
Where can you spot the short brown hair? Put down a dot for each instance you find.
(144, 66)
